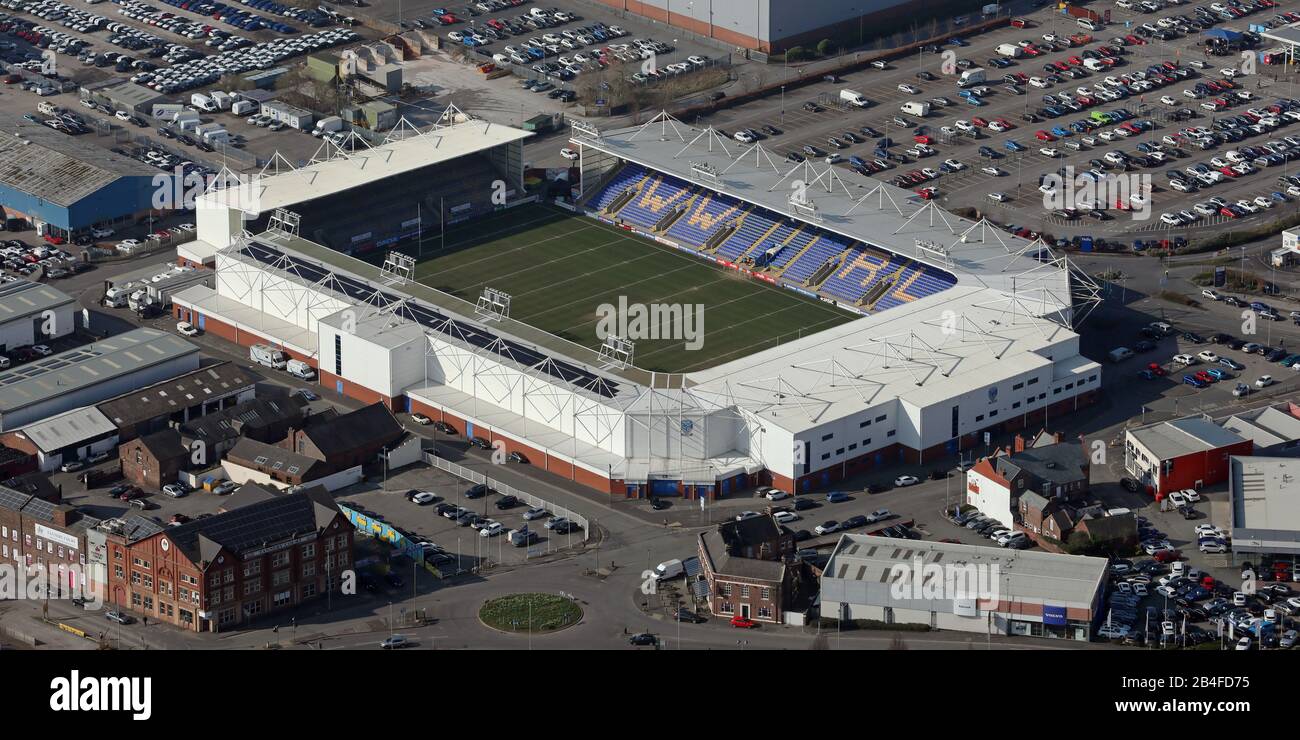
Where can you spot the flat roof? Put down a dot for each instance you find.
(1265, 427)
(65, 372)
(1169, 439)
(1265, 504)
(23, 298)
(1024, 574)
(349, 170)
(53, 166)
(1266, 493)
(1283, 34)
(68, 429)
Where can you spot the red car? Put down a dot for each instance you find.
(922, 139)
(1076, 61)
(1167, 556)
(743, 622)
(1005, 122)
(1228, 171)
(1031, 51)
(1155, 369)
(928, 193)
(1043, 136)
(1205, 377)
(979, 122)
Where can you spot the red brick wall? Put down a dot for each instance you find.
(329, 381)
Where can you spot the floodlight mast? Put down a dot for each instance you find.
(493, 305)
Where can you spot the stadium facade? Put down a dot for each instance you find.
(963, 328)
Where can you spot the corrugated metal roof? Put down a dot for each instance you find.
(95, 363)
(68, 429)
(53, 166)
(23, 298)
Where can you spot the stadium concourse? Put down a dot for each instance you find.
(938, 328)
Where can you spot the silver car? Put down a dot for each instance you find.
(534, 513)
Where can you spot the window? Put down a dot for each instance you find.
(765, 612)
(744, 592)
(726, 590)
(1068, 386)
(881, 418)
(826, 456)
(253, 567)
(1033, 381)
(135, 600)
(140, 563)
(993, 413)
(853, 446)
(1056, 391)
(1015, 405)
(890, 433)
(725, 607)
(866, 423)
(309, 550)
(767, 593)
(280, 559)
(980, 417)
(1092, 378)
(225, 617)
(280, 577)
(1041, 396)
(1018, 386)
(250, 587)
(840, 451)
(117, 571)
(308, 570)
(283, 598)
(827, 437)
(866, 441)
(338, 355)
(308, 590)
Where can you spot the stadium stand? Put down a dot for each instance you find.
(789, 250)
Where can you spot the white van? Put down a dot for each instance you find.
(267, 356)
(668, 569)
(300, 369)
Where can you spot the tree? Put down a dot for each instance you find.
(824, 47)
(794, 53)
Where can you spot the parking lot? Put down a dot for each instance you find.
(1072, 139)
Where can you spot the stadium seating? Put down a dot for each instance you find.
(891, 280)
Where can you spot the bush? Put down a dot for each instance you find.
(824, 47)
(794, 53)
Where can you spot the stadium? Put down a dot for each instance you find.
(846, 324)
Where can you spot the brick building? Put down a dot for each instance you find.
(1045, 465)
(346, 440)
(744, 565)
(37, 532)
(277, 463)
(219, 572)
(1191, 452)
(154, 460)
(266, 420)
(179, 400)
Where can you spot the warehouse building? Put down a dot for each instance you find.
(73, 435)
(774, 25)
(1183, 453)
(179, 400)
(78, 377)
(65, 184)
(1264, 511)
(32, 312)
(966, 588)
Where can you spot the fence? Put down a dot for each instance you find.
(474, 476)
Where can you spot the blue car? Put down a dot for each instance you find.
(1217, 373)
(1194, 381)
(1061, 131)
(834, 497)
(975, 101)
(1012, 146)
(1231, 363)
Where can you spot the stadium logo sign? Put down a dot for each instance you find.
(956, 581)
(179, 190)
(1090, 192)
(76, 693)
(640, 321)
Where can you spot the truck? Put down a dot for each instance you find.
(244, 107)
(117, 296)
(1075, 11)
(300, 369)
(854, 98)
(203, 102)
(222, 100)
(267, 356)
(327, 125)
(138, 299)
(971, 77)
(668, 569)
(1010, 50)
(919, 108)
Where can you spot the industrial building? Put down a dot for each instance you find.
(73, 435)
(1184, 453)
(964, 588)
(78, 377)
(179, 400)
(31, 313)
(65, 184)
(771, 25)
(1264, 511)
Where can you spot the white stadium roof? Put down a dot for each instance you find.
(334, 170)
